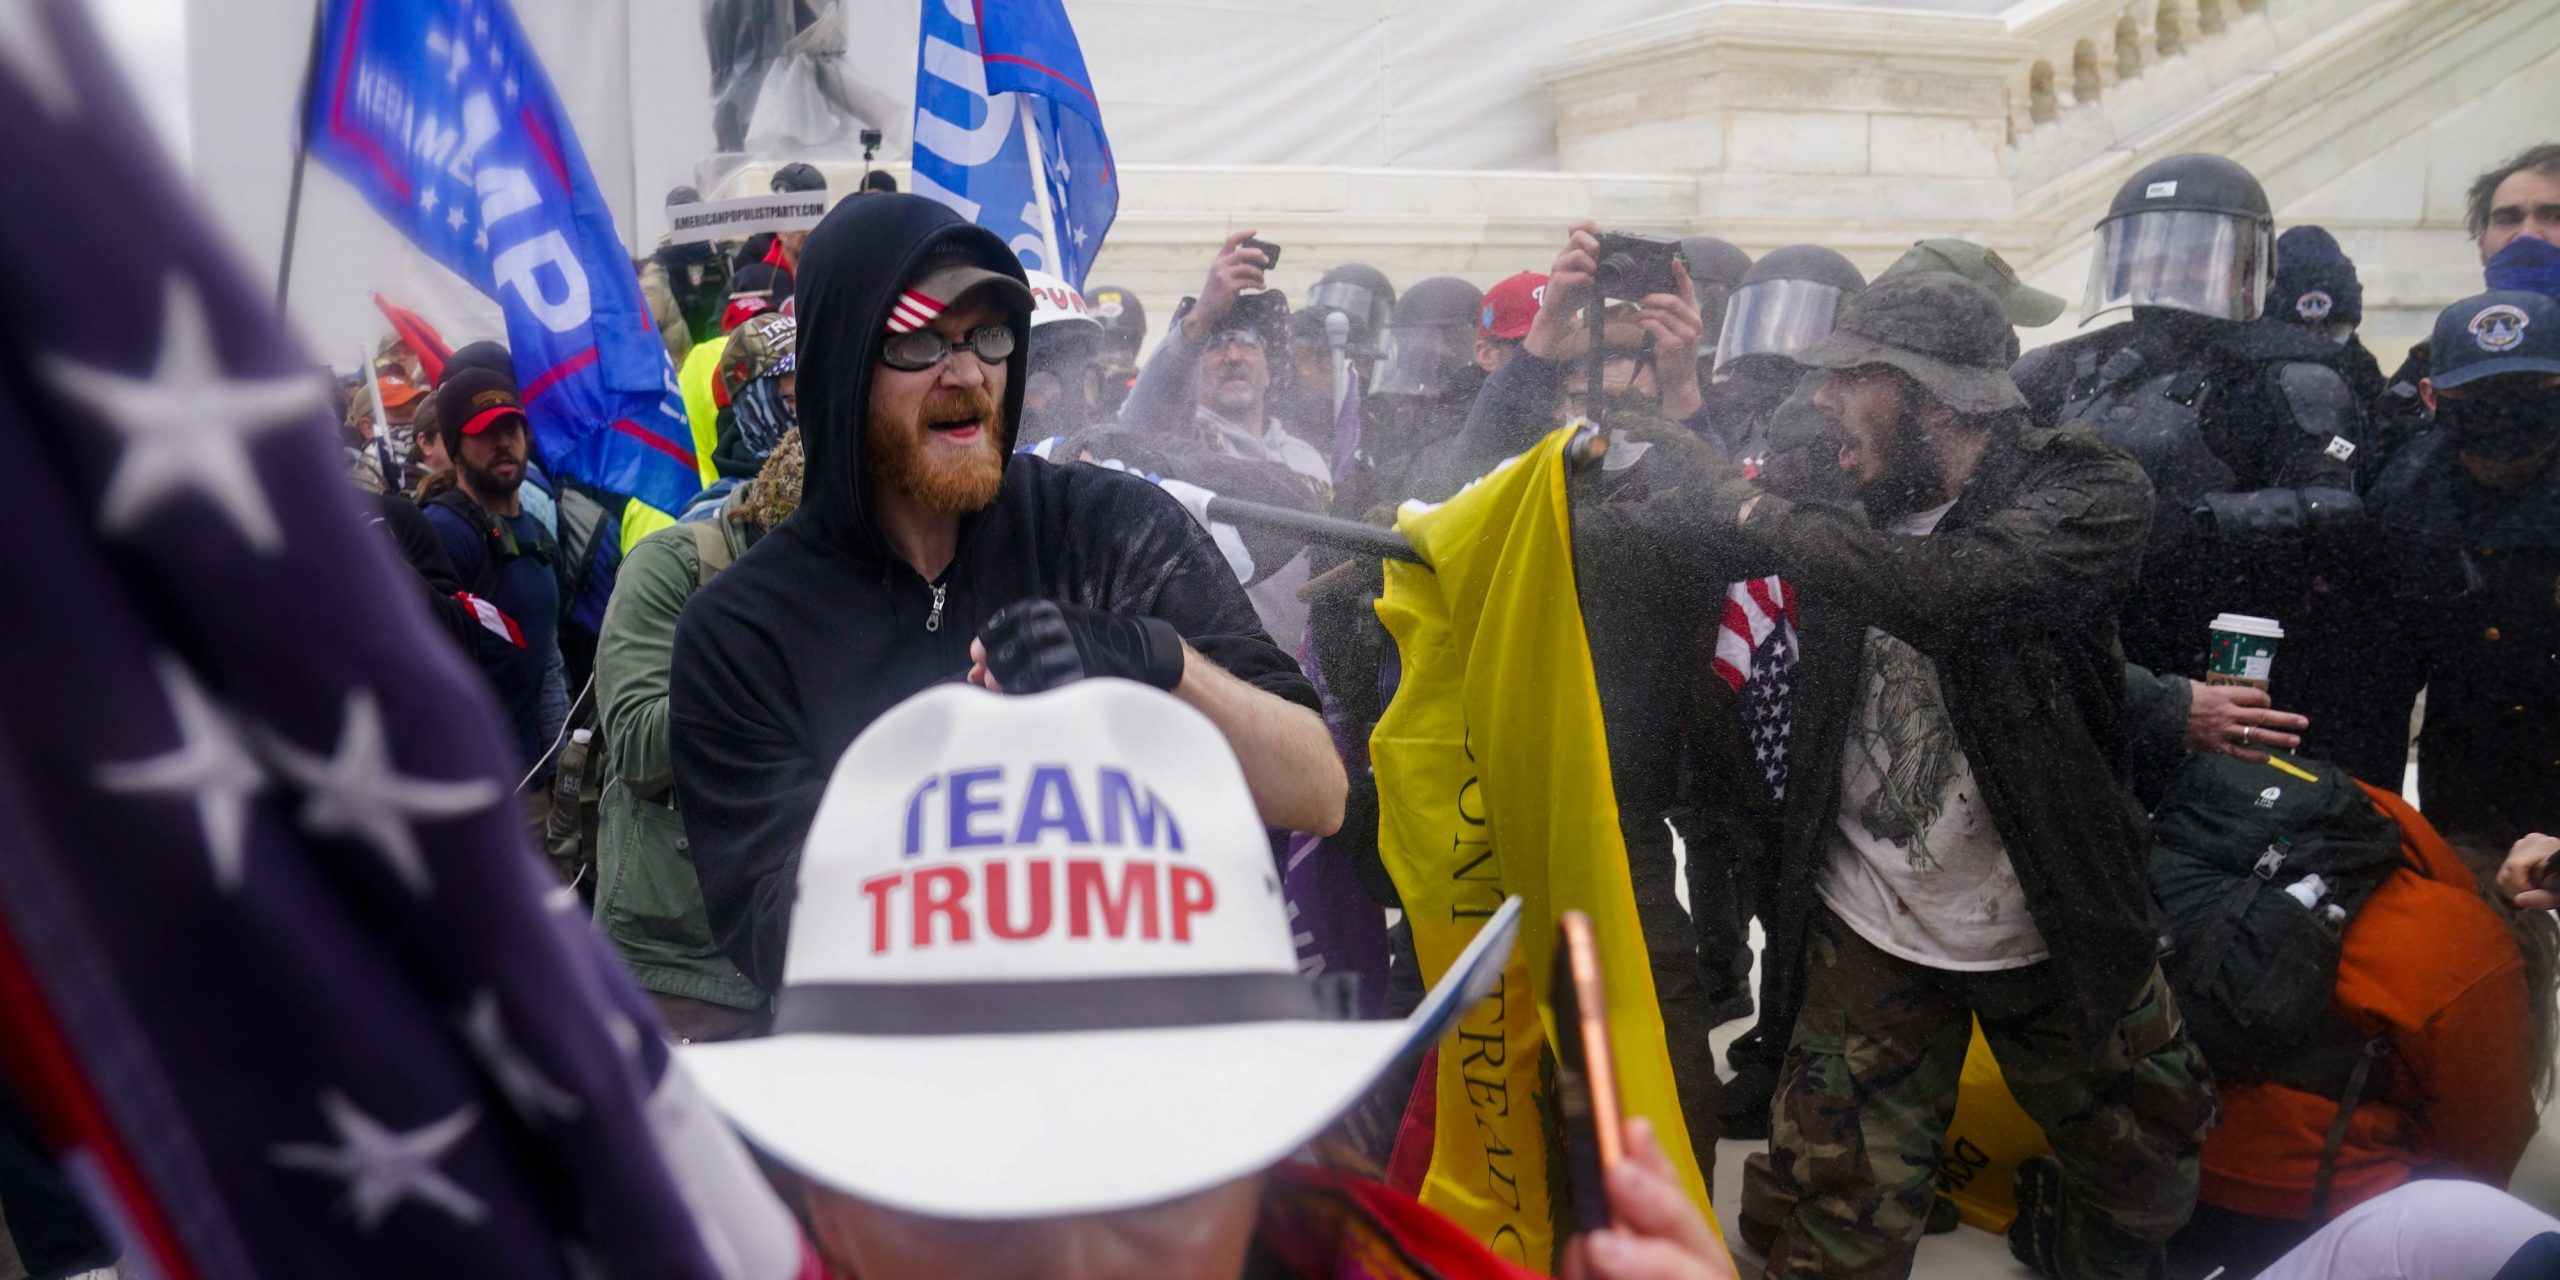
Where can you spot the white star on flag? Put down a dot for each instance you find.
(481, 239)
(186, 425)
(26, 48)
(509, 84)
(456, 57)
(382, 1167)
(480, 25)
(455, 219)
(427, 199)
(1076, 234)
(532, 1092)
(358, 793)
(211, 763)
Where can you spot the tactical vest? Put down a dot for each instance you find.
(2157, 415)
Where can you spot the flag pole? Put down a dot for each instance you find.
(1587, 448)
(301, 156)
(1040, 189)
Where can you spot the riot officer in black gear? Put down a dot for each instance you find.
(2248, 431)
(1425, 385)
(1302, 384)
(1785, 303)
(1363, 293)
(1124, 330)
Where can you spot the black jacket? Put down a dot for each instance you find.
(2458, 593)
(786, 657)
(2240, 428)
(406, 525)
(2014, 598)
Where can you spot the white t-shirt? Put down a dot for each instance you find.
(1917, 868)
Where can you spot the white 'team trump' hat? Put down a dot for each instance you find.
(1040, 965)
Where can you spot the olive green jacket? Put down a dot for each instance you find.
(647, 899)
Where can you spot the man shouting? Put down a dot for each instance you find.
(925, 550)
(1955, 845)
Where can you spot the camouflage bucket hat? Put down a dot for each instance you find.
(762, 346)
(1945, 331)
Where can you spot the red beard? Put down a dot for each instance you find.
(938, 479)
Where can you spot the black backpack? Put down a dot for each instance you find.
(2236, 848)
(499, 544)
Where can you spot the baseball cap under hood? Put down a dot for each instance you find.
(856, 262)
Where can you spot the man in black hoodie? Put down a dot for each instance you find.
(924, 550)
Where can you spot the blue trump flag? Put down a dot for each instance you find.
(438, 111)
(984, 80)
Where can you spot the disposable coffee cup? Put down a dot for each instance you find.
(2244, 650)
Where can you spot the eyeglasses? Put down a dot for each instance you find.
(1245, 338)
(922, 349)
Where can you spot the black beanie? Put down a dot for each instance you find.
(2315, 281)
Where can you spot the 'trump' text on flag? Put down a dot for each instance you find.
(439, 113)
(989, 83)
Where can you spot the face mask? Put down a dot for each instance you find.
(760, 416)
(2528, 264)
(2503, 428)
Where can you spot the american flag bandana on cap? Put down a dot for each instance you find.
(940, 286)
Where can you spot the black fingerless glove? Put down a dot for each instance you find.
(1036, 645)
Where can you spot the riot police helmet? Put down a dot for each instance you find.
(1716, 268)
(1361, 292)
(1122, 317)
(1430, 336)
(1787, 301)
(2190, 233)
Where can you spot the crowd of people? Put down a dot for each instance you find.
(2066, 694)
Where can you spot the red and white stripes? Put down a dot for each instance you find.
(1751, 610)
(912, 312)
(492, 619)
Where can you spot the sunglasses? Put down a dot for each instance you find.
(922, 349)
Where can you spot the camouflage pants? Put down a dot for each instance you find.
(1870, 1087)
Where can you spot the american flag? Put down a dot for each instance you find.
(1756, 657)
(280, 975)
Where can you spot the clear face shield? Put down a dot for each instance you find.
(1365, 308)
(1420, 359)
(2211, 264)
(1776, 318)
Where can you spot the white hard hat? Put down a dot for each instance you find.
(1054, 301)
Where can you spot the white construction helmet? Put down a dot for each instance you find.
(1055, 302)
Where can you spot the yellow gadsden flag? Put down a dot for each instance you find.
(1493, 780)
